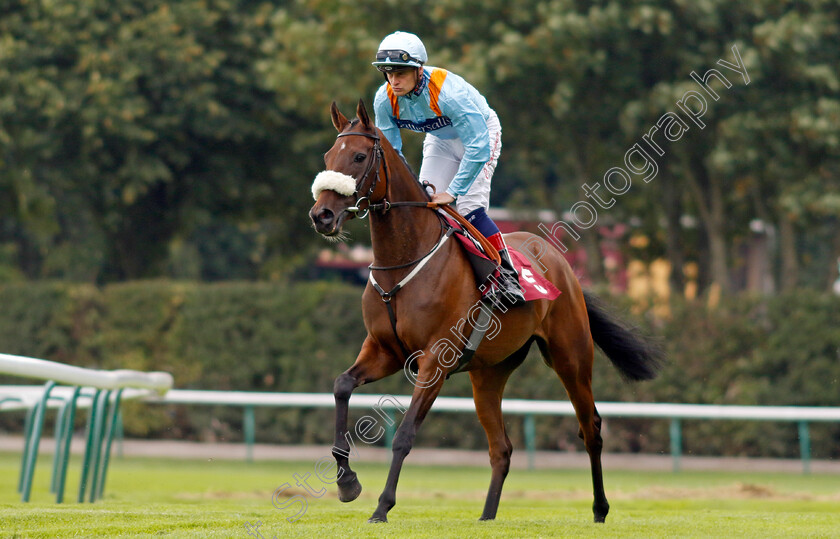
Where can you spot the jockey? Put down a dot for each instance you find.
(463, 136)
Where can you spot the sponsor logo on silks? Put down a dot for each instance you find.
(430, 124)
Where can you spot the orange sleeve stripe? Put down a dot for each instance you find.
(395, 106)
(435, 84)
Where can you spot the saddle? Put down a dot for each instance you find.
(486, 266)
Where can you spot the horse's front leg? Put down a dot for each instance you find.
(421, 401)
(372, 364)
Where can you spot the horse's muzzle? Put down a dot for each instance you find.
(324, 220)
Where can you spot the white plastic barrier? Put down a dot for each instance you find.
(529, 409)
(98, 389)
(78, 376)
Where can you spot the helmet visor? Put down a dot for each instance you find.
(399, 58)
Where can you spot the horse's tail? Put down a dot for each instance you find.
(635, 356)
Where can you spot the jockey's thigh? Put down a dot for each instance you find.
(442, 158)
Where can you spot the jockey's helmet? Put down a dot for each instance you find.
(400, 50)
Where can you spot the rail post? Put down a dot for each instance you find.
(805, 447)
(95, 403)
(676, 442)
(530, 428)
(110, 426)
(390, 429)
(249, 426)
(98, 439)
(32, 448)
(27, 440)
(66, 439)
(59, 435)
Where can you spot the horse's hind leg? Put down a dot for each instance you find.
(488, 385)
(573, 364)
(372, 364)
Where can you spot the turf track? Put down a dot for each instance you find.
(209, 498)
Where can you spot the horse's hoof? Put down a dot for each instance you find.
(377, 520)
(349, 491)
(600, 510)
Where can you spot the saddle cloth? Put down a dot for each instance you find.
(533, 284)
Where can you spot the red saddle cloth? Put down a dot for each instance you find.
(533, 284)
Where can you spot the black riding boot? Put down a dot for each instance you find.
(509, 281)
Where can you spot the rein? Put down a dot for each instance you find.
(385, 205)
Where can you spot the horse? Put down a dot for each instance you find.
(365, 176)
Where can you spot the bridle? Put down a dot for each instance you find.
(374, 164)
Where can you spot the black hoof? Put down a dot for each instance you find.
(486, 518)
(349, 490)
(377, 520)
(600, 510)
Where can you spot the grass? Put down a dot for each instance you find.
(192, 498)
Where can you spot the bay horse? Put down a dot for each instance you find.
(363, 169)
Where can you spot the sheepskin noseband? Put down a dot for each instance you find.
(334, 181)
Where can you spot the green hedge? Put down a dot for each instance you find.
(298, 337)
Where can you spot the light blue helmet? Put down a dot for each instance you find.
(400, 50)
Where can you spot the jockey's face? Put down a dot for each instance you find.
(402, 81)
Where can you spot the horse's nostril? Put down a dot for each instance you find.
(326, 217)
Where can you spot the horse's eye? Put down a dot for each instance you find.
(359, 157)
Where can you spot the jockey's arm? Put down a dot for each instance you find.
(471, 127)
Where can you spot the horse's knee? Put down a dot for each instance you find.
(344, 386)
(403, 441)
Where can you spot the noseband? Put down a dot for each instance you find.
(373, 164)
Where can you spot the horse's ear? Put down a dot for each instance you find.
(361, 112)
(338, 119)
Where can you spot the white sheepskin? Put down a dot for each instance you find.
(334, 181)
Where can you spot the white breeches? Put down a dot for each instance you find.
(442, 157)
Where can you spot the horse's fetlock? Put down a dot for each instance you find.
(387, 502)
(346, 475)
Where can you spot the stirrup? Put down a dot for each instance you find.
(506, 289)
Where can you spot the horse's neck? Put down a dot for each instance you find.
(403, 234)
